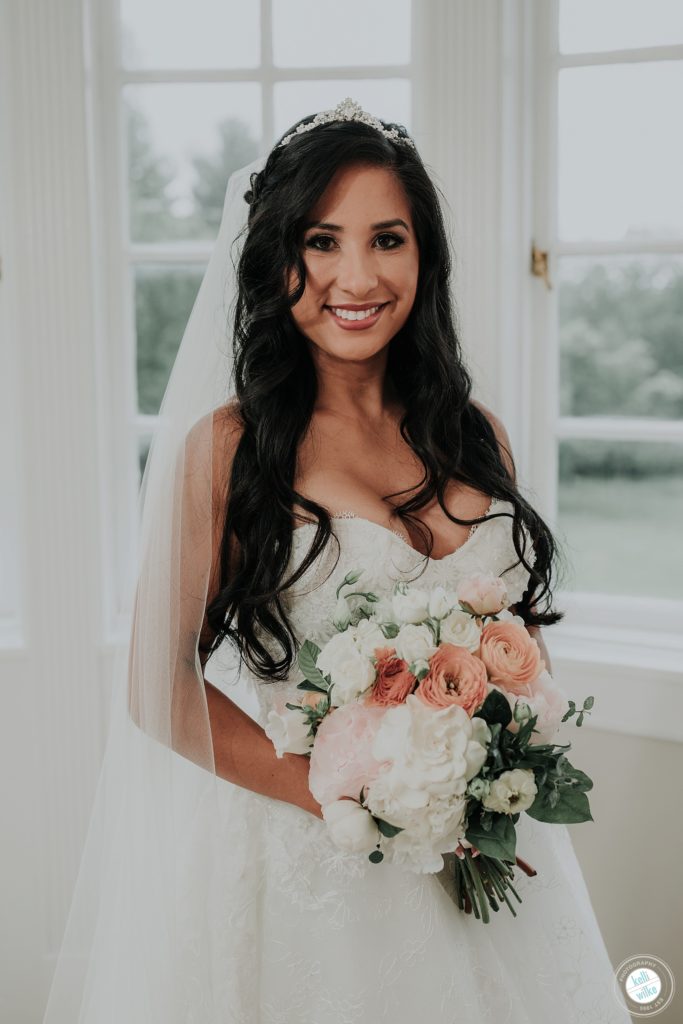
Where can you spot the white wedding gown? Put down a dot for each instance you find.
(308, 935)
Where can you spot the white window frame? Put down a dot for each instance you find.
(123, 428)
(600, 629)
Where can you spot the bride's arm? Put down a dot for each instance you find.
(243, 754)
(506, 454)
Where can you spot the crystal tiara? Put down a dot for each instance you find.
(347, 110)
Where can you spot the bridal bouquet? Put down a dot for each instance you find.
(429, 720)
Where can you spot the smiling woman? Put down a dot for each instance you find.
(214, 854)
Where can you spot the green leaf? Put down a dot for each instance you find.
(305, 685)
(376, 856)
(495, 709)
(588, 703)
(386, 829)
(500, 841)
(308, 655)
(571, 808)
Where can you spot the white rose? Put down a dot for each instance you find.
(351, 671)
(288, 730)
(414, 643)
(512, 791)
(413, 606)
(367, 636)
(351, 826)
(383, 610)
(461, 629)
(440, 602)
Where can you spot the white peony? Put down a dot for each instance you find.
(427, 756)
(414, 643)
(511, 792)
(412, 606)
(288, 731)
(351, 671)
(351, 826)
(461, 629)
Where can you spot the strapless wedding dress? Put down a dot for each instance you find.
(305, 934)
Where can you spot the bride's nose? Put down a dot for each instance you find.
(357, 272)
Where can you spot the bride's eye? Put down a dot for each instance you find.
(396, 239)
(314, 242)
(311, 242)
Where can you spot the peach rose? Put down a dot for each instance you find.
(394, 681)
(455, 677)
(484, 593)
(511, 656)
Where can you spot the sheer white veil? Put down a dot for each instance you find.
(138, 941)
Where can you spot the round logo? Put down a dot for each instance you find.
(644, 984)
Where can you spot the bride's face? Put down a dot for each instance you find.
(359, 249)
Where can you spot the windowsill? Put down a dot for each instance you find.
(635, 674)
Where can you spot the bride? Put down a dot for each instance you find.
(318, 418)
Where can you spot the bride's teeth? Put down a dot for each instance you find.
(355, 314)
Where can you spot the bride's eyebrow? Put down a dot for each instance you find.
(326, 226)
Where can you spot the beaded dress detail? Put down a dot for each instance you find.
(307, 934)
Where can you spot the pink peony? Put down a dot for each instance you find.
(485, 593)
(341, 758)
(512, 657)
(455, 677)
(393, 683)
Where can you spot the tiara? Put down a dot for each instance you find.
(347, 110)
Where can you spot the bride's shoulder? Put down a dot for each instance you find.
(213, 439)
(501, 433)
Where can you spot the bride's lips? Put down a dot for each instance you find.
(357, 325)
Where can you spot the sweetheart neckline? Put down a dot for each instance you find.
(395, 536)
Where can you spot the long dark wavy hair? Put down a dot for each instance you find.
(276, 389)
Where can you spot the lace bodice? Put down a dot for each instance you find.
(385, 557)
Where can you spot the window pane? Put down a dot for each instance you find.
(164, 297)
(620, 159)
(184, 141)
(388, 98)
(201, 34)
(620, 510)
(590, 25)
(321, 33)
(621, 336)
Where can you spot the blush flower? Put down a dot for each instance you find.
(511, 656)
(341, 757)
(455, 677)
(484, 593)
(394, 680)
